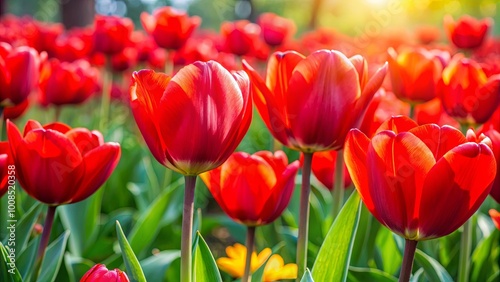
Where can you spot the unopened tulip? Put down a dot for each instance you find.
(99, 273)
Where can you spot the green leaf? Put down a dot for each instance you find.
(333, 258)
(26, 258)
(53, 258)
(25, 226)
(389, 252)
(307, 277)
(433, 270)
(148, 224)
(83, 220)
(204, 266)
(131, 263)
(8, 270)
(155, 266)
(359, 274)
(484, 259)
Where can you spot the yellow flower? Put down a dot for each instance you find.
(276, 269)
(234, 264)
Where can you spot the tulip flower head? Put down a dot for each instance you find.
(99, 273)
(240, 37)
(495, 216)
(414, 74)
(253, 189)
(112, 33)
(466, 93)
(310, 103)
(494, 136)
(421, 182)
(276, 29)
(467, 32)
(58, 165)
(169, 27)
(193, 121)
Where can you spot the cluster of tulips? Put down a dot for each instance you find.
(418, 136)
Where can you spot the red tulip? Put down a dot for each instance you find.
(253, 189)
(124, 60)
(494, 136)
(466, 93)
(169, 27)
(276, 29)
(467, 32)
(64, 83)
(414, 74)
(5, 162)
(99, 273)
(13, 112)
(112, 33)
(73, 45)
(240, 37)
(58, 165)
(495, 216)
(193, 121)
(309, 104)
(422, 182)
(19, 70)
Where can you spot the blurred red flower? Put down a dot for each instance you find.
(5, 161)
(19, 71)
(414, 74)
(112, 33)
(309, 104)
(323, 168)
(494, 136)
(466, 93)
(467, 32)
(64, 83)
(99, 273)
(240, 37)
(253, 189)
(422, 182)
(169, 27)
(193, 121)
(58, 165)
(276, 29)
(495, 216)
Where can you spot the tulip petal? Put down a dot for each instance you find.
(54, 165)
(488, 99)
(84, 139)
(202, 108)
(98, 165)
(397, 124)
(323, 87)
(439, 140)
(145, 95)
(398, 166)
(455, 188)
(355, 156)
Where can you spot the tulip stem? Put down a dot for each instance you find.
(248, 260)
(338, 187)
(304, 216)
(57, 113)
(44, 241)
(412, 111)
(187, 228)
(169, 63)
(465, 248)
(107, 85)
(409, 255)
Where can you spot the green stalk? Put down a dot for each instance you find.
(248, 260)
(465, 249)
(338, 187)
(187, 228)
(412, 111)
(44, 241)
(302, 239)
(407, 265)
(106, 96)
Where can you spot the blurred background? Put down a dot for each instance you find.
(353, 17)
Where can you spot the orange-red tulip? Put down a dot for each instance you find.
(494, 136)
(495, 216)
(19, 71)
(276, 29)
(422, 182)
(240, 37)
(193, 121)
(323, 168)
(414, 74)
(99, 273)
(112, 33)
(253, 189)
(309, 104)
(63, 83)
(169, 27)
(466, 93)
(467, 32)
(58, 165)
